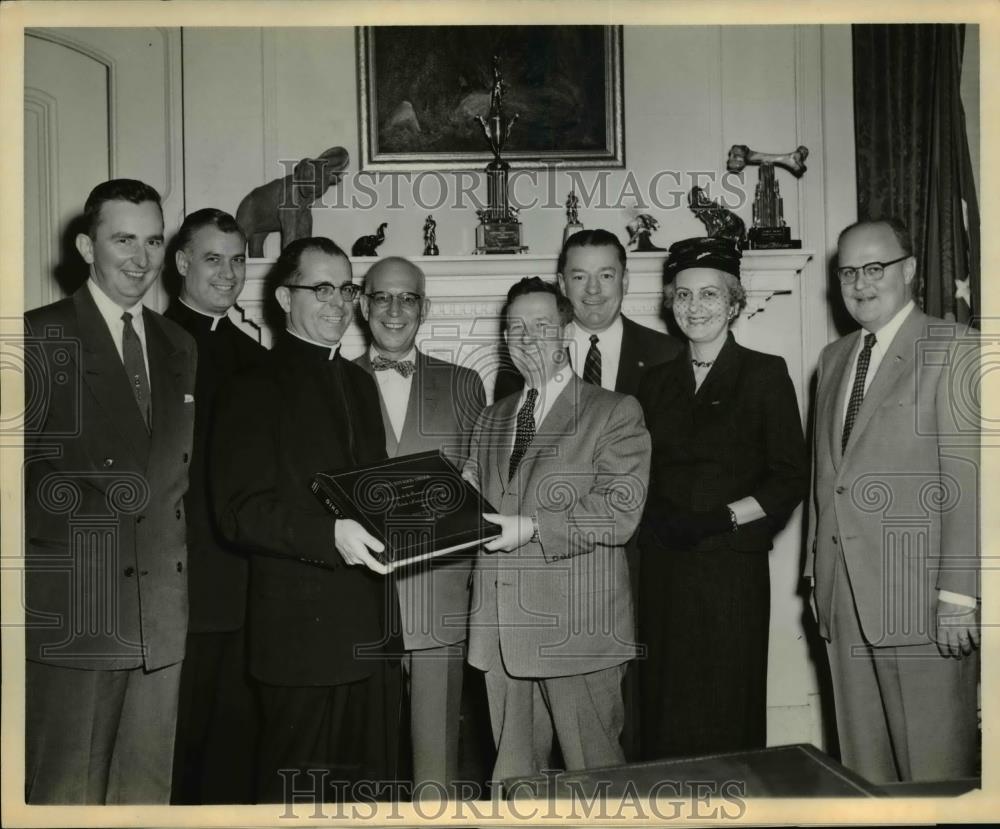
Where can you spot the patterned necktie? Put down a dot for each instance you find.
(592, 367)
(525, 432)
(404, 367)
(135, 367)
(858, 389)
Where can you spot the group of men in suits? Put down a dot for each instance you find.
(173, 546)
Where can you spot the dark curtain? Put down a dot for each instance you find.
(913, 155)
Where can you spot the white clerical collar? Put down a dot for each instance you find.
(333, 348)
(216, 318)
(111, 310)
(373, 352)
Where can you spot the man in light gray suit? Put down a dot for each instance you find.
(426, 404)
(566, 463)
(894, 520)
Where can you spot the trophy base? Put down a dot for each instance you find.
(570, 230)
(772, 238)
(499, 237)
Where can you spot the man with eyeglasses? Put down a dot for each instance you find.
(427, 404)
(893, 539)
(318, 603)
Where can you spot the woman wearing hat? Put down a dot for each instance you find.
(729, 465)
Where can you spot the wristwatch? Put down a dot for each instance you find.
(734, 525)
(534, 523)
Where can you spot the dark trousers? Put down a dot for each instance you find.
(99, 737)
(217, 722)
(325, 738)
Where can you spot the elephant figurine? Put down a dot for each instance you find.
(366, 245)
(285, 204)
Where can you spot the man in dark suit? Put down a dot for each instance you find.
(427, 404)
(606, 347)
(110, 418)
(217, 717)
(318, 603)
(894, 520)
(566, 464)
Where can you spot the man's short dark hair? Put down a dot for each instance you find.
(206, 217)
(537, 285)
(595, 238)
(286, 269)
(116, 189)
(894, 223)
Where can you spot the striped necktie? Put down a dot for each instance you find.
(857, 390)
(525, 433)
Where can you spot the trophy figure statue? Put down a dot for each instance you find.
(769, 229)
(499, 230)
(572, 215)
(430, 237)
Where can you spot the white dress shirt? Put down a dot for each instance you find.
(609, 342)
(546, 398)
(395, 390)
(112, 312)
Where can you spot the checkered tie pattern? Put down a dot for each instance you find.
(592, 366)
(404, 367)
(858, 389)
(135, 366)
(525, 432)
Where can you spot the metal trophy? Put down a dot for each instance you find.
(572, 215)
(499, 230)
(769, 230)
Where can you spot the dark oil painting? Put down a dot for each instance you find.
(422, 86)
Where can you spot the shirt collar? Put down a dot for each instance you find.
(887, 333)
(215, 318)
(612, 332)
(333, 348)
(111, 310)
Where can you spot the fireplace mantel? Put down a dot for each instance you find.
(467, 291)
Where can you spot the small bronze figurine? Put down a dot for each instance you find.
(719, 221)
(430, 237)
(572, 216)
(639, 230)
(366, 245)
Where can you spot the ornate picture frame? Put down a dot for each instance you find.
(419, 88)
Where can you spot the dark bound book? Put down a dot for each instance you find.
(419, 506)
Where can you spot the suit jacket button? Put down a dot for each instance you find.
(840, 490)
(180, 567)
(129, 572)
(178, 514)
(139, 519)
(144, 572)
(185, 457)
(834, 539)
(109, 462)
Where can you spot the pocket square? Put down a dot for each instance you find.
(189, 398)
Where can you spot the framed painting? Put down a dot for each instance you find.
(420, 88)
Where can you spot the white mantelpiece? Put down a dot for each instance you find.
(467, 292)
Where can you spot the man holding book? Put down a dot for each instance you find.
(566, 463)
(426, 404)
(318, 604)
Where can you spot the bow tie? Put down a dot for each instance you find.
(404, 367)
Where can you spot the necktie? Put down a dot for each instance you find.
(858, 389)
(404, 367)
(592, 367)
(135, 367)
(525, 432)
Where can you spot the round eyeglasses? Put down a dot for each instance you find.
(872, 272)
(383, 299)
(325, 291)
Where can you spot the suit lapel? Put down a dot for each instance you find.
(831, 401)
(560, 420)
(166, 381)
(502, 436)
(630, 360)
(421, 402)
(895, 363)
(104, 375)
